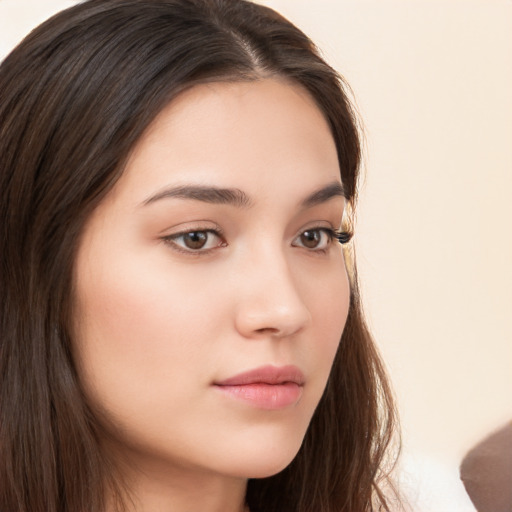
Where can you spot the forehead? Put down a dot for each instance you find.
(245, 134)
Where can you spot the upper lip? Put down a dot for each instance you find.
(266, 375)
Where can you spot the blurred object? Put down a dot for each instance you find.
(486, 472)
(431, 483)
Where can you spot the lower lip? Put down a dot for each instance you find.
(266, 396)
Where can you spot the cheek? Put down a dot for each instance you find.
(329, 303)
(132, 324)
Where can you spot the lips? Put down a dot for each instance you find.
(266, 375)
(267, 387)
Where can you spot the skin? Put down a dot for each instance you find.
(158, 323)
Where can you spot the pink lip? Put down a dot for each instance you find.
(267, 387)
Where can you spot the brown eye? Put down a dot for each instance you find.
(200, 241)
(317, 239)
(311, 239)
(195, 239)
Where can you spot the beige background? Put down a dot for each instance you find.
(433, 83)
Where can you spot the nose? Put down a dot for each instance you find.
(269, 301)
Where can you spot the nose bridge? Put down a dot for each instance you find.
(270, 300)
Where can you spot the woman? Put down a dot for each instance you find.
(173, 180)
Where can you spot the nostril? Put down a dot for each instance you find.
(267, 330)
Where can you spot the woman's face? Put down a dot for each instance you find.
(213, 257)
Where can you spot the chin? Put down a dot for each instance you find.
(265, 459)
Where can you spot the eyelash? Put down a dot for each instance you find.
(343, 237)
(171, 240)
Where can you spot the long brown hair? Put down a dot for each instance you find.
(75, 97)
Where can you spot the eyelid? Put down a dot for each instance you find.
(171, 238)
(324, 244)
(343, 237)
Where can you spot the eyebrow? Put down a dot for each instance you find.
(207, 194)
(237, 197)
(323, 194)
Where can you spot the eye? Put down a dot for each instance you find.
(319, 239)
(195, 240)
